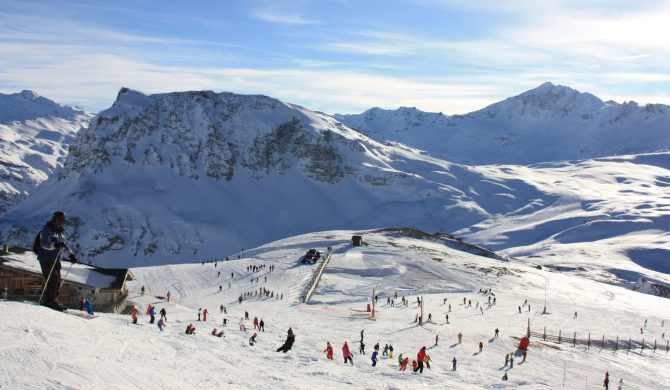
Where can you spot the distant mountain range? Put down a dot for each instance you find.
(187, 176)
(548, 123)
(34, 135)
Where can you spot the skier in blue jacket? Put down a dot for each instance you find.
(88, 306)
(374, 358)
(152, 314)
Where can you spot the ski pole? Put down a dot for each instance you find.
(49, 276)
(66, 274)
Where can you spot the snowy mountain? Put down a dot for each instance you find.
(548, 123)
(34, 135)
(64, 351)
(185, 176)
(191, 176)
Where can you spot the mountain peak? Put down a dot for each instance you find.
(28, 105)
(29, 95)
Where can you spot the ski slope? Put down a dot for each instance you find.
(45, 349)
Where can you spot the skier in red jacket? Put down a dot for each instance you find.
(329, 351)
(403, 365)
(420, 357)
(204, 315)
(346, 353)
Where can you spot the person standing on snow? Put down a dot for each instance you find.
(50, 249)
(453, 364)
(252, 339)
(374, 358)
(88, 306)
(361, 350)
(496, 333)
(152, 314)
(329, 351)
(288, 344)
(163, 314)
(391, 351)
(419, 359)
(481, 346)
(134, 313)
(160, 324)
(255, 323)
(204, 315)
(261, 325)
(385, 351)
(346, 353)
(606, 382)
(437, 338)
(403, 364)
(199, 313)
(460, 337)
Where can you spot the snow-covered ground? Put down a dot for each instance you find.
(40, 348)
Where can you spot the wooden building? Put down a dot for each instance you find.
(21, 274)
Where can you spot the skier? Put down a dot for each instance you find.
(220, 288)
(481, 346)
(134, 313)
(152, 314)
(606, 382)
(374, 358)
(481, 310)
(242, 326)
(453, 364)
(390, 351)
(506, 359)
(246, 315)
(199, 313)
(361, 350)
(496, 333)
(460, 337)
(329, 351)
(449, 308)
(419, 358)
(50, 246)
(163, 314)
(252, 340)
(204, 315)
(415, 366)
(447, 318)
(88, 306)
(426, 361)
(160, 324)
(403, 364)
(346, 353)
(261, 325)
(256, 323)
(288, 344)
(362, 334)
(400, 359)
(437, 338)
(142, 291)
(221, 309)
(168, 296)
(430, 317)
(519, 309)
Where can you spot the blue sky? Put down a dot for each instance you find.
(341, 56)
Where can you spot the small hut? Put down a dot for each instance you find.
(357, 240)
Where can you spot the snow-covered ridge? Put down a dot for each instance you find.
(548, 123)
(34, 135)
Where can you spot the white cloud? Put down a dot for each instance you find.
(274, 15)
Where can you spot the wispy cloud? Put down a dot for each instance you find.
(275, 15)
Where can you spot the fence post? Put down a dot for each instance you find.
(559, 336)
(574, 339)
(588, 343)
(544, 335)
(616, 346)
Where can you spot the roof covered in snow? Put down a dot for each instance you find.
(108, 278)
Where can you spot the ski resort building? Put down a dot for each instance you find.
(20, 273)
